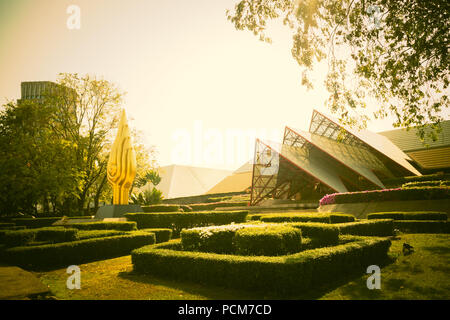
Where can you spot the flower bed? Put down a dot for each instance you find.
(398, 194)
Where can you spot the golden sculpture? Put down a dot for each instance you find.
(121, 168)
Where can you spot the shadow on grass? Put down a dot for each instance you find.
(217, 292)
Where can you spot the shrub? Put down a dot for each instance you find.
(341, 218)
(218, 239)
(380, 228)
(268, 240)
(162, 235)
(281, 274)
(186, 208)
(214, 205)
(416, 215)
(185, 220)
(422, 226)
(89, 234)
(436, 183)
(398, 194)
(320, 233)
(35, 222)
(120, 225)
(7, 225)
(297, 217)
(162, 208)
(23, 237)
(53, 256)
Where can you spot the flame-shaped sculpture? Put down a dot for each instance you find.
(121, 168)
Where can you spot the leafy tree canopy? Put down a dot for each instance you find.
(394, 51)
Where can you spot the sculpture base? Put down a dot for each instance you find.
(117, 210)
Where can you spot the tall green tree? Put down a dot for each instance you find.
(394, 51)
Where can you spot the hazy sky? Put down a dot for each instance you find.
(192, 80)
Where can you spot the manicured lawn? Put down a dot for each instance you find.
(424, 274)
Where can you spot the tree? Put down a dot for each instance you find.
(396, 52)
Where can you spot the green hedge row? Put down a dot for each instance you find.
(185, 220)
(100, 225)
(436, 183)
(321, 233)
(7, 225)
(186, 208)
(308, 217)
(379, 228)
(398, 194)
(422, 226)
(218, 239)
(53, 256)
(280, 275)
(162, 235)
(35, 222)
(50, 234)
(416, 215)
(89, 234)
(268, 240)
(161, 208)
(214, 205)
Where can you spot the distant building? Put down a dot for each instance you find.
(333, 158)
(240, 180)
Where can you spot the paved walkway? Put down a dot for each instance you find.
(16, 283)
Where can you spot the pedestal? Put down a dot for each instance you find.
(117, 210)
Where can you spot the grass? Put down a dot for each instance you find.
(424, 274)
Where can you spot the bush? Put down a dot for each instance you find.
(416, 215)
(89, 234)
(341, 218)
(422, 226)
(185, 220)
(218, 239)
(23, 237)
(214, 205)
(398, 194)
(320, 233)
(162, 208)
(120, 225)
(162, 235)
(53, 256)
(35, 222)
(297, 217)
(186, 208)
(268, 240)
(436, 183)
(7, 225)
(280, 275)
(380, 228)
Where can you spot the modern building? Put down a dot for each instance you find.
(330, 158)
(184, 181)
(240, 180)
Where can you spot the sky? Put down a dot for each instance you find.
(198, 89)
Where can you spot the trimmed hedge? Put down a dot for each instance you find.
(162, 235)
(35, 222)
(89, 234)
(416, 215)
(161, 208)
(280, 275)
(297, 217)
(23, 237)
(435, 183)
(320, 233)
(119, 225)
(185, 220)
(186, 208)
(308, 217)
(7, 225)
(53, 256)
(214, 205)
(422, 226)
(268, 240)
(379, 228)
(398, 194)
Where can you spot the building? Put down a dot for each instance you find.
(330, 158)
(240, 180)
